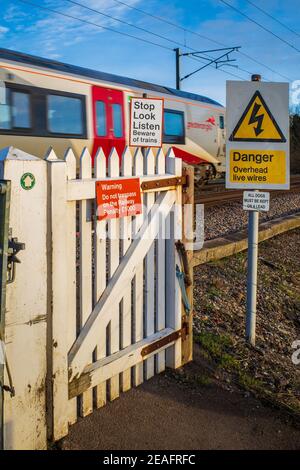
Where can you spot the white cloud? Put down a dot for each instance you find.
(3, 30)
(51, 31)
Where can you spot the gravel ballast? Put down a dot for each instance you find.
(228, 218)
(220, 307)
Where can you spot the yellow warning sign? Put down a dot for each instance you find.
(257, 123)
(257, 166)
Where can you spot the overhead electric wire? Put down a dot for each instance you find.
(123, 22)
(112, 30)
(187, 30)
(74, 2)
(259, 25)
(95, 24)
(273, 18)
(159, 18)
(127, 34)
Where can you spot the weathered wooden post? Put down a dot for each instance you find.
(26, 302)
(188, 236)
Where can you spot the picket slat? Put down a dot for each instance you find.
(160, 272)
(125, 230)
(70, 314)
(113, 262)
(100, 265)
(173, 294)
(149, 200)
(138, 281)
(85, 265)
(59, 301)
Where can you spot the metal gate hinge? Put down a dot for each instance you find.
(182, 333)
(11, 390)
(13, 249)
(164, 183)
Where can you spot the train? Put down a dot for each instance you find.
(49, 103)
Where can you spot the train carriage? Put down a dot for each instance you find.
(49, 103)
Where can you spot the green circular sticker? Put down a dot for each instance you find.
(27, 181)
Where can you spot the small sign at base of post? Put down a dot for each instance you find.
(256, 201)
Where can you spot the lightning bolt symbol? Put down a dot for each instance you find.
(256, 118)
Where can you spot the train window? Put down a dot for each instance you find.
(5, 119)
(174, 127)
(20, 103)
(15, 112)
(64, 115)
(27, 110)
(117, 120)
(101, 118)
(221, 122)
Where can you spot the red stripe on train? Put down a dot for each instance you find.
(187, 157)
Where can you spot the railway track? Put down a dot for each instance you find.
(216, 194)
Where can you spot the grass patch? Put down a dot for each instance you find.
(217, 348)
(203, 380)
(218, 262)
(214, 344)
(229, 363)
(213, 292)
(249, 382)
(208, 307)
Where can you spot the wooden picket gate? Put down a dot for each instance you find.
(115, 299)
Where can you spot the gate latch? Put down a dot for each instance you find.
(13, 249)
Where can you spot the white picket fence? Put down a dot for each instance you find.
(108, 298)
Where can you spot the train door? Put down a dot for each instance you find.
(108, 120)
(221, 142)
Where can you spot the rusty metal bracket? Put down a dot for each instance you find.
(183, 255)
(166, 340)
(164, 183)
(185, 327)
(14, 246)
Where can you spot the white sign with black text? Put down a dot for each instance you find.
(146, 122)
(256, 201)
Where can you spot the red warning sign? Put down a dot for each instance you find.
(118, 198)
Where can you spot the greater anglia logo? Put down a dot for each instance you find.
(206, 125)
(211, 120)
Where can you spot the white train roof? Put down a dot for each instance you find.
(14, 56)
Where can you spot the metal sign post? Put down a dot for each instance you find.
(257, 157)
(253, 220)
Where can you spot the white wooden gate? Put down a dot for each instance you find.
(115, 302)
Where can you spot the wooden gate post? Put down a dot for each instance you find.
(62, 292)
(26, 303)
(173, 292)
(188, 235)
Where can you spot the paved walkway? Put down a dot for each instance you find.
(165, 414)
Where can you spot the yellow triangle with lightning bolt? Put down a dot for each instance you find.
(257, 123)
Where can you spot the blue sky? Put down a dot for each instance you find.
(29, 29)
